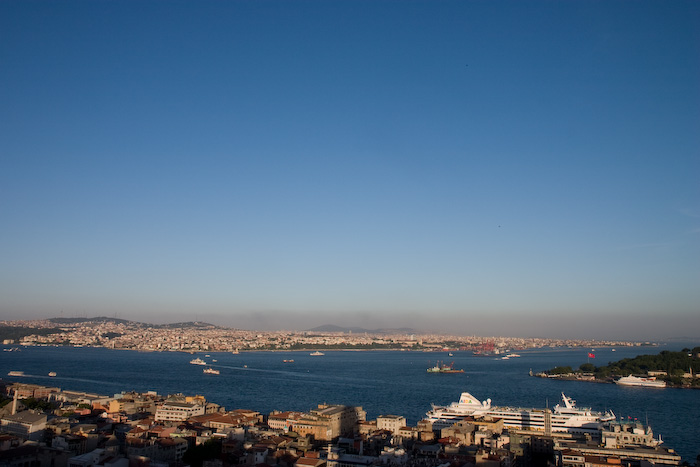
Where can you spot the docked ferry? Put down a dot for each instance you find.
(566, 418)
(648, 382)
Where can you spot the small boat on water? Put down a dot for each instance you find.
(16, 373)
(52, 373)
(316, 354)
(287, 361)
(198, 361)
(211, 371)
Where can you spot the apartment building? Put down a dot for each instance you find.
(172, 411)
(25, 424)
(391, 423)
(330, 421)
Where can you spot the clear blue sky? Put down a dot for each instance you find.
(490, 168)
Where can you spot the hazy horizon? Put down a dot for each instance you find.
(491, 168)
(585, 327)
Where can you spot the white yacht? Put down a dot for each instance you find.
(198, 361)
(566, 418)
(316, 354)
(648, 382)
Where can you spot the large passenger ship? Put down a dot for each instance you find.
(566, 418)
(648, 382)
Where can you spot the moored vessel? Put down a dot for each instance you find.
(566, 418)
(647, 382)
(444, 368)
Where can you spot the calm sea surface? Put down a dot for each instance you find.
(383, 382)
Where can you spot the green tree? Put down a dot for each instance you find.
(37, 404)
(561, 370)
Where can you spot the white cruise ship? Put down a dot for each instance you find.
(648, 382)
(566, 418)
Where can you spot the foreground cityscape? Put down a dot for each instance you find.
(46, 426)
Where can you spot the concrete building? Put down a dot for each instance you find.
(283, 420)
(33, 455)
(98, 457)
(340, 459)
(392, 423)
(25, 424)
(177, 411)
(169, 450)
(330, 421)
(618, 435)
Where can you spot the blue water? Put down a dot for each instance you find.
(382, 382)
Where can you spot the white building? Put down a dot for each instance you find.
(177, 411)
(391, 423)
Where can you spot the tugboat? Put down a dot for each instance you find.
(444, 368)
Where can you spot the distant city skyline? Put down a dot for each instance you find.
(530, 326)
(517, 169)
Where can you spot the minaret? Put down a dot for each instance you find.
(14, 403)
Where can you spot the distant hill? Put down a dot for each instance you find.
(97, 319)
(358, 330)
(103, 319)
(188, 324)
(16, 333)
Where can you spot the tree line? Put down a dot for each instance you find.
(675, 364)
